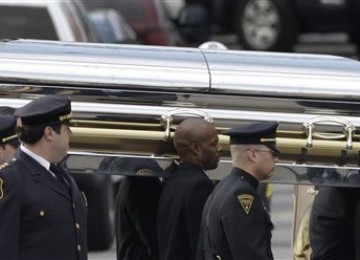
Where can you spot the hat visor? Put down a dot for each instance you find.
(273, 147)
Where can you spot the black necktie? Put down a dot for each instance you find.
(60, 175)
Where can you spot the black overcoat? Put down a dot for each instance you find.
(40, 219)
(180, 210)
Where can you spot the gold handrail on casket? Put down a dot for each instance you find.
(150, 140)
(130, 137)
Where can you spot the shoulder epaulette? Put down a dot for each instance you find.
(2, 166)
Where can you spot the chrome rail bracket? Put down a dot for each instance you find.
(348, 131)
(168, 117)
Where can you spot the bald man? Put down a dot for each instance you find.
(185, 192)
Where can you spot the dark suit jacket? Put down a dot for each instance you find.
(235, 224)
(180, 209)
(40, 219)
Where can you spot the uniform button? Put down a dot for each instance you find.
(77, 225)
(42, 213)
(78, 247)
(74, 205)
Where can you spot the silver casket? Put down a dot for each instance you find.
(128, 99)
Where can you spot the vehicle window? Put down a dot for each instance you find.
(83, 16)
(106, 32)
(23, 22)
(132, 11)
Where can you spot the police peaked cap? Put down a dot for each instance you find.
(47, 109)
(255, 133)
(7, 128)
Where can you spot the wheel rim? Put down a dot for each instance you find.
(260, 24)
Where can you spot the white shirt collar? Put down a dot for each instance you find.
(41, 160)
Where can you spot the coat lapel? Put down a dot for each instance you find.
(42, 175)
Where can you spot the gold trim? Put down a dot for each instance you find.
(263, 140)
(65, 117)
(6, 139)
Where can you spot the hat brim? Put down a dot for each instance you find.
(273, 147)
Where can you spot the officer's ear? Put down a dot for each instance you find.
(49, 133)
(251, 154)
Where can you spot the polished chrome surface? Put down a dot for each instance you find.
(223, 116)
(170, 68)
(293, 84)
(127, 66)
(282, 74)
(121, 95)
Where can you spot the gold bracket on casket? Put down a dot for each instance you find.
(168, 117)
(347, 133)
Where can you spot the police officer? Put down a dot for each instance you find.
(186, 190)
(43, 213)
(235, 224)
(9, 141)
(136, 208)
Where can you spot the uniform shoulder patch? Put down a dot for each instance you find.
(1, 188)
(246, 201)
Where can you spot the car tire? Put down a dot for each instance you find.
(266, 25)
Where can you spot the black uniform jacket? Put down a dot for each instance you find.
(180, 210)
(136, 210)
(333, 222)
(39, 219)
(235, 224)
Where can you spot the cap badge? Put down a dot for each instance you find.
(65, 117)
(1, 188)
(144, 172)
(267, 140)
(246, 201)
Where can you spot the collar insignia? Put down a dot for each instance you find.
(1, 188)
(85, 199)
(246, 201)
(2, 166)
